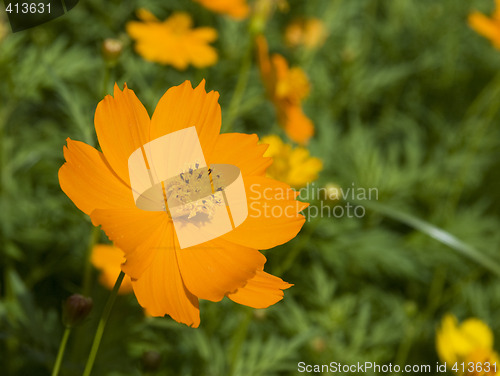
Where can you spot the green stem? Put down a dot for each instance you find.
(239, 338)
(102, 324)
(405, 346)
(436, 233)
(483, 100)
(239, 91)
(60, 354)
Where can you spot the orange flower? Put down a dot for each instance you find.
(487, 27)
(310, 33)
(286, 87)
(173, 41)
(107, 259)
(237, 9)
(167, 279)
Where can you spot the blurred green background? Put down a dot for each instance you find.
(405, 98)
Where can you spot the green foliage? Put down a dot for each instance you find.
(405, 99)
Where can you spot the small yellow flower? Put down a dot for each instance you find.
(237, 9)
(310, 33)
(293, 166)
(108, 259)
(173, 41)
(487, 27)
(471, 341)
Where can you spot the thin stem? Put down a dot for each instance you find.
(239, 338)
(102, 324)
(241, 85)
(86, 288)
(60, 354)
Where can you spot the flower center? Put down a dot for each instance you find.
(191, 193)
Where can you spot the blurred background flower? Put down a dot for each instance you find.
(107, 259)
(173, 41)
(470, 341)
(486, 26)
(292, 165)
(307, 32)
(286, 88)
(237, 9)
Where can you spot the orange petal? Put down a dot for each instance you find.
(239, 12)
(108, 259)
(297, 125)
(88, 181)
(241, 150)
(199, 53)
(206, 34)
(214, 268)
(160, 289)
(122, 126)
(146, 16)
(237, 9)
(486, 27)
(273, 214)
(148, 37)
(179, 22)
(155, 43)
(280, 66)
(496, 13)
(137, 232)
(261, 291)
(182, 107)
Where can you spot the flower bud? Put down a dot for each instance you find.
(332, 192)
(318, 344)
(111, 50)
(151, 361)
(76, 309)
(260, 314)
